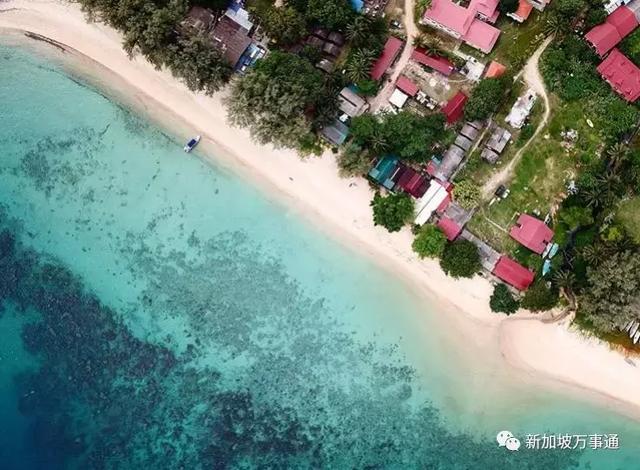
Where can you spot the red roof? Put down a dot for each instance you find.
(406, 85)
(455, 107)
(513, 273)
(523, 11)
(603, 38)
(413, 182)
(462, 22)
(391, 49)
(624, 20)
(495, 69)
(617, 26)
(450, 228)
(622, 74)
(532, 233)
(439, 64)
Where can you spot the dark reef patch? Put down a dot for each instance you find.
(271, 385)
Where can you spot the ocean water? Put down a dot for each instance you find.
(158, 310)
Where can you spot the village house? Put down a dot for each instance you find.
(454, 108)
(513, 273)
(622, 75)
(521, 110)
(470, 24)
(496, 144)
(618, 25)
(389, 54)
(532, 233)
(522, 12)
(351, 104)
(437, 63)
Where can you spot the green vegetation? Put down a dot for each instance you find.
(628, 215)
(273, 98)
(508, 6)
(333, 14)
(539, 297)
(406, 134)
(353, 161)
(611, 299)
(486, 98)
(284, 25)
(460, 259)
(429, 242)
(148, 27)
(502, 300)
(467, 194)
(393, 211)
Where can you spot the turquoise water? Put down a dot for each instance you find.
(158, 310)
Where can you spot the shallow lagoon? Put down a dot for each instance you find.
(160, 311)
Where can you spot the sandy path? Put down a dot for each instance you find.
(340, 207)
(533, 79)
(381, 99)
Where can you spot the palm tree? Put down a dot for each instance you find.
(431, 44)
(566, 280)
(358, 66)
(379, 143)
(617, 154)
(555, 26)
(593, 254)
(358, 30)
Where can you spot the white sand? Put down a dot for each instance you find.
(340, 206)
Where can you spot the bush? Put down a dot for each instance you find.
(539, 297)
(485, 98)
(467, 194)
(392, 211)
(429, 242)
(460, 259)
(502, 301)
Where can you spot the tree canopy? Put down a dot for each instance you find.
(393, 211)
(485, 98)
(502, 300)
(332, 14)
(539, 297)
(405, 134)
(467, 194)
(613, 296)
(460, 259)
(429, 242)
(284, 25)
(273, 99)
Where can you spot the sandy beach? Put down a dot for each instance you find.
(552, 354)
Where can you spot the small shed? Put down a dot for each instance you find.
(336, 38)
(489, 155)
(513, 273)
(499, 139)
(454, 108)
(407, 86)
(463, 142)
(336, 133)
(450, 162)
(398, 98)
(470, 132)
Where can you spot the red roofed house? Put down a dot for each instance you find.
(532, 233)
(617, 26)
(513, 273)
(622, 74)
(450, 228)
(495, 70)
(406, 85)
(455, 107)
(439, 64)
(392, 48)
(523, 11)
(413, 182)
(467, 24)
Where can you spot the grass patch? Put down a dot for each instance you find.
(628, 215)
(541, 176)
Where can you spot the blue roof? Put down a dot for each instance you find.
(357, 5)
(384, 169)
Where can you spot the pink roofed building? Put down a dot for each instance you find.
(407, 86)
(468, 24)
(392, 48)
(618, 25)
(439, 64)
(513, 273)
(532, 233)
(621, 74)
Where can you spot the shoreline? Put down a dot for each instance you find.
(550, 354)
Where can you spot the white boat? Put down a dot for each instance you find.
(634, 328)
(629, 325)
(191, 144)
(636, 337)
